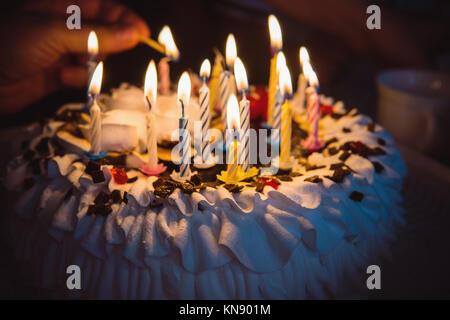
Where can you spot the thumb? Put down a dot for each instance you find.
(111, 38)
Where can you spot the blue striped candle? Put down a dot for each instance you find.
(276, 128)
(245, 127)
(185, 144)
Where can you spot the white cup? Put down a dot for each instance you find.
(414, 106)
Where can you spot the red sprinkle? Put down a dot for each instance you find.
(271, 182)
(326, 109)
(357, 146)
(119, 175)
(258, 102)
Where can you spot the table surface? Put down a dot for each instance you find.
(418, 267)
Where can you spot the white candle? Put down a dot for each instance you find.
(95, 125)
(242, 85)
(150, 92)
(205, 70)
(184, 93)
(172, 53)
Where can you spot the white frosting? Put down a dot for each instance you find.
(288, 243)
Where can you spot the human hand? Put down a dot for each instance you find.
(40, 55)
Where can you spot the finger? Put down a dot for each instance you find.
(74, 76)
(111, 39)
(128, 17)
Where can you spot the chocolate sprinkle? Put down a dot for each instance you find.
(295, 174)
(330, 141)
(125, 197)
(314, 179)
(310, 167)
(91, 167)
(346, 130)
(332, 151)
(233, 188)
(344, 156)
(381, 141)
(356, 196)
(196, 179)
(131, 180)
(102, 197)
(99, 209)
(98, 176)
(260, 186)
(164, 191)
(284, 178)
(115, 196)
(378, 166)
(371, 126)
(188, 188)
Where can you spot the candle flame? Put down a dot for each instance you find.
(96, 80)
(184, 89)
(241, 75)
(285, 81)
(304, 56)
(233, 113)
(230, 50)
(205, 69)
(276, 40)
(310, 75)
(281, 61)
(151, 83)
(165, 38)
(92, 43)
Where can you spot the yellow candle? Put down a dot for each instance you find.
(286, 133)
(272, 87)
(232, 168)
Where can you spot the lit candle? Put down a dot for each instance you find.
(150, 92)
(184, 93)
(172, 53)
(242, 86)
(234, 126)
(205, 70)
(226, 82)
(279, 100)
(92, 59)
(276, 44)
(286, 119)
(301, 84)
(312, 143)
(95, 125)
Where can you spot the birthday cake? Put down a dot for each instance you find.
(292, 235)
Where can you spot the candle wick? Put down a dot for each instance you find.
(148, 102)
(182, 108)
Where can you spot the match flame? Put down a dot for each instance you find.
(96, 80)
(281, 61)
(233, 113)
(241, 76)
(92, 44)
(275, 33)
(310, 75)
(151, 83)
(184, 89)
(304, 56)
(285, 81)
(205, 69)
(230, 50)
(165, 38)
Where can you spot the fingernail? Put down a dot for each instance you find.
(126, 34)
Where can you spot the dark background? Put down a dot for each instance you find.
(420, 267)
